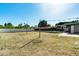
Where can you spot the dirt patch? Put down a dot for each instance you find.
(68, 35)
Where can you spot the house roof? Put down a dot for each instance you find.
(76, 23)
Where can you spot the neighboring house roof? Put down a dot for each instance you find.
(43, 27)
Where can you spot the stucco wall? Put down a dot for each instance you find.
(76, 28)
(72, 29)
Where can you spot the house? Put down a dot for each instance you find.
(59, 27)
(71, 27)
(43, 28)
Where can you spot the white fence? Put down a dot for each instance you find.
(16, 30)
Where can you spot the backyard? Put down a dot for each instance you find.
(29, 44)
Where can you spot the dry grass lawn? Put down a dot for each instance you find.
(50, 44)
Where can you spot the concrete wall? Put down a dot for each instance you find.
(16, 30)
(76, 28)
(72, 29)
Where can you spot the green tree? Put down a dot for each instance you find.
(42, 23)
(5, 24)
(26, 26)
(8, 25)
(20, 25)
(1, 26)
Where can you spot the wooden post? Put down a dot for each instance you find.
(39, 30)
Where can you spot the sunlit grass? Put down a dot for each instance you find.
(49, 44)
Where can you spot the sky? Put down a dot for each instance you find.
(32, 13)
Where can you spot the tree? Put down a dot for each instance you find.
(20, 26)
(42, 23)
(32, 27)
(8, 25)
(26, 26)
(1, 26)
(5, 24)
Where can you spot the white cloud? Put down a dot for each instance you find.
(55, 9)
